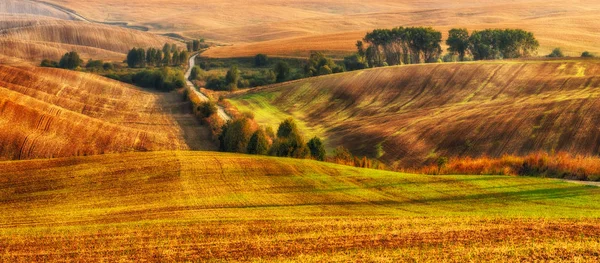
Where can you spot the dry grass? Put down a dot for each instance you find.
(54, 113)
(194, 206)
(30, 8)
(418, 113)
(560, 165)
(36, 38)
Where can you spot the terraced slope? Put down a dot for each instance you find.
(423, 111)
(200, 206)
(56, 113)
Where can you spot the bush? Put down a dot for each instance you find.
(587, 54)
(206, 109)
(49, 63)
(556, 53)
(108, 66)
(355, 62)
(95, 65)
(197, 73)
(318, 65)
(165, 79)
(70, 60)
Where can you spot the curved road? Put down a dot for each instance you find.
(220, 110)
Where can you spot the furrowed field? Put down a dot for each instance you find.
(418, 113)
(174, 206)
(48, 113)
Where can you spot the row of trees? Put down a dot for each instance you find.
(242, 136)
(196, 45)
(412, 45)
(170, 55)
(401, 45)
(492, 43)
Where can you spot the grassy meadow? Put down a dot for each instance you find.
(201, 206)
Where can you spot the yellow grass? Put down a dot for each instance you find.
(420, 112)
(199, 206)
(52, 113)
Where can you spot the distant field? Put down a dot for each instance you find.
(173, 206)
(55, 113)
(421, 112)
(32, 39)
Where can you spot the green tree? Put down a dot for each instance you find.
(236, 135)
(282, 71)
(318, 64)
(289, 141)
(261, 60)
(70, 60)
(258, 143)
(317, 149)
(232, 78)
(196, 73)
(287, 128)
(458, 42)
(166, 48)
(183, 57)
(166, 58)
(175, 58)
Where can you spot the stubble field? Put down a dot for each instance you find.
(173, 206)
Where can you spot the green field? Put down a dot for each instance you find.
(200, 206)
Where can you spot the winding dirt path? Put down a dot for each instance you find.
(220, 110)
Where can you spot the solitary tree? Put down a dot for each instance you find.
(458, 42)
(232, 77)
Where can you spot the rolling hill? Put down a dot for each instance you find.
(199, 206)
(56, 113)
(419, 112)
(30, 8)
(36, 38)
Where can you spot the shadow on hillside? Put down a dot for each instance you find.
(196, 135)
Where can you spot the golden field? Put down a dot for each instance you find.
(420, 112)
(31, 32)
(200, 206)
(55, 113)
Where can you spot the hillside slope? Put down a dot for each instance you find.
(36, 38)
(422, 111)
(180, 206)
(54, 113)
(30, 8)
